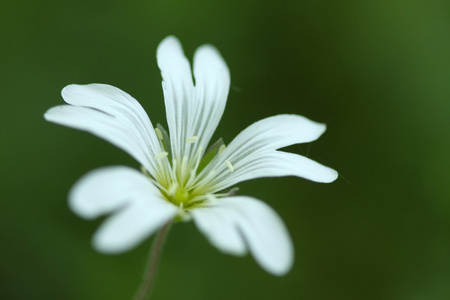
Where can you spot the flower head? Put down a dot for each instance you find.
(182, 178)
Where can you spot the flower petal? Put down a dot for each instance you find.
(273, 164)
(218, 226)
(262, 229)
(107, 189)
(212, 84)
(138, 206)
(111, 114)
(252, 153)
(178, 88)
(129, 227)
(273, 133)
(193, 113)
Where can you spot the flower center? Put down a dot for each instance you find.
(177, 172)
(184, 198)
(180, 195)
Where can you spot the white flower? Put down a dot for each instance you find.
(180, 179)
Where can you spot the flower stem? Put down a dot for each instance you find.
(155, 255)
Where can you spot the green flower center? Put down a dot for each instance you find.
(177, 176)
(179, 196)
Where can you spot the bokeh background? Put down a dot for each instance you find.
(377, 72)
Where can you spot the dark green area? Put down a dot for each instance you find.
(377, 72)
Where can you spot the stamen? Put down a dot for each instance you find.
(221, 148)
(160, 186)
(161, 155)
(206, 179)
(183, 170)
(229, 165)
(190, 180)
(172, 189)
(192, 139)
(159, 134)
(198, 157)
(174, 167)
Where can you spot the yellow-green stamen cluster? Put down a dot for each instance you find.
(176, 176)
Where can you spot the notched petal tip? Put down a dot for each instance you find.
(72, 89)
(306, 127)
(236, 224)
(105, 246)
(127, 228)
(321, 128)
(88, 210)
(169, 41)
(208, 60)
(169, 48)
(282, 265)
(48, 114)
(68, 88)
(108, 189)
(280, 271)
(57, 114)
(330, 177)
(210, 53)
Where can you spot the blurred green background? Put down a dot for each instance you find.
(377, 72)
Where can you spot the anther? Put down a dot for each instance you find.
(221, 148)
(192, 139)
(159, 134)
(229, 165)
(161, 155)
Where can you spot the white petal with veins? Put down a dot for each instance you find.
(234, 219)
(273, 164)
(178, 88)
(257, 144)
(138, 206)
(110, 114)
(131, 225)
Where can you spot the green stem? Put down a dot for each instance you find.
(150, 272)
